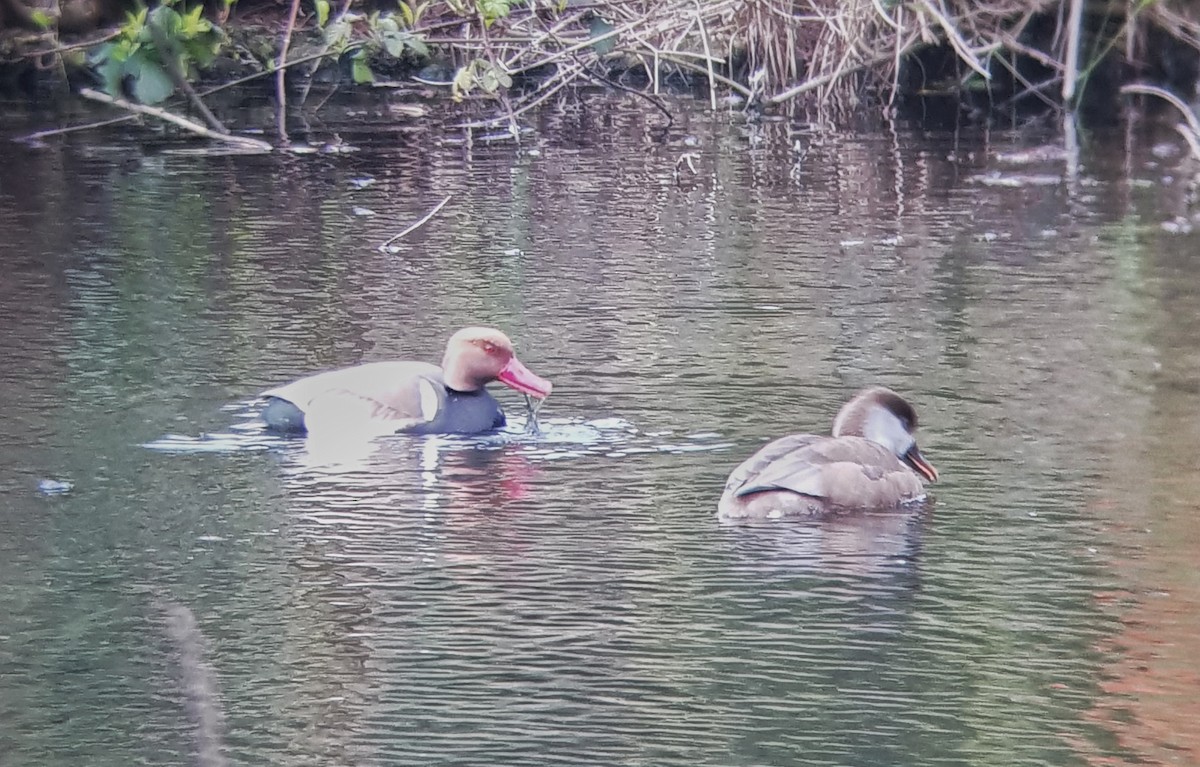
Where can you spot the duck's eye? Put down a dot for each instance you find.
(488, 347)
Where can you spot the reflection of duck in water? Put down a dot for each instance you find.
(408, 396)
(868, 553)
(428, 498)
(870, 462)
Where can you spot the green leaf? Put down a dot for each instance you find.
(41, 18)
(337, 34)
(464, 78)
(491, 10)
(201, 51)
(110, 72)
(419, 47)
(133, 23)
(361, 71)
(192, 24)
(394, 43)
(166, 19)
(151, 84)
(99, 54)
(410, 18)
(322, 12)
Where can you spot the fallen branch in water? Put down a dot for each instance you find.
(207, 92)
(39, 135)
(417, 225)
(244, 142)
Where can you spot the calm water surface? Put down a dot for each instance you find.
(571, 598)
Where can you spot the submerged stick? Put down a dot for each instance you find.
(418, 224)
(199, 683)
(243, 141)
(39, 135)
(1191, 131)
(654, 101)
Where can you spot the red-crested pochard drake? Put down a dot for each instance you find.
(870, 462)
(409, 396)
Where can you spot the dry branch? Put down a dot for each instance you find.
(281, 71)
(1191, 130)
(416, 224)
(1074, 31)
(782, 49)
(241, 141)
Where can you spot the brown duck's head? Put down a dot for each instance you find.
(883, 416)
(477, 356)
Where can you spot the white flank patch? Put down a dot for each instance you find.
(429, 399)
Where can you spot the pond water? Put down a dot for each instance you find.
(571, 598)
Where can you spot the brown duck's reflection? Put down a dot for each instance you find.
(868, 546)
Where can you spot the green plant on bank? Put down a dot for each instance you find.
(413, 12)
(487, 10)
(482, 74)
(384, 34)
(135, 63)
(395, 35)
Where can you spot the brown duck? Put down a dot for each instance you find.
(870, 462)
(408, 396)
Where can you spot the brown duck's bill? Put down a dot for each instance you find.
(521, 378)
(918, 463)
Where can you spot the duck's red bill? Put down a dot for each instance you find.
(521, 378)
(918, 463)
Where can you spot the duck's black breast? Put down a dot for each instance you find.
(465, 412)
(283, 416)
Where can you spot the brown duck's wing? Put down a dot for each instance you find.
(846, 472)
(405, 394)
(749, 471)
